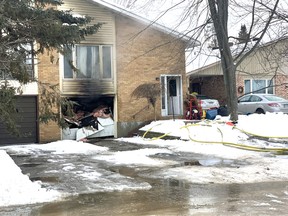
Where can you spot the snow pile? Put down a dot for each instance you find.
(59, 147)
(266, 125)
(17, 188)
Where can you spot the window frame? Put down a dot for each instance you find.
(165, 94)
(101, 75)
(249, 86)
(29, 62)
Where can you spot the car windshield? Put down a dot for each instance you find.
(273, 98)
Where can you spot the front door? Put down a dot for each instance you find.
(171, 95)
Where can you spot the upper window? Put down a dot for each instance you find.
(91, 62)
(259, 86)
(23, 57)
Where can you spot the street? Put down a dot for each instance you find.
(103, 188)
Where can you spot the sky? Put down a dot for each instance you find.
(229, 155)
(189, 17)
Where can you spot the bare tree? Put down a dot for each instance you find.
(219, 14)
(264, 21)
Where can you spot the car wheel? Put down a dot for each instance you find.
(260, 111)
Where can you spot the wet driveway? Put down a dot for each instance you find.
(111, 189)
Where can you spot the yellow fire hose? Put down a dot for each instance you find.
(231, 144)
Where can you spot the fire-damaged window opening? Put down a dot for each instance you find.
(92, 117)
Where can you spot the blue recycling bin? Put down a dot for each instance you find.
(211, 114)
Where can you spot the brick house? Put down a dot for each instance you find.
(130, 51)
(267, 66)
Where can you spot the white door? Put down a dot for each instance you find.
(171, 95)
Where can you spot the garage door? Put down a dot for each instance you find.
(26, 122)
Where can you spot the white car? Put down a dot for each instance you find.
(207, 103)
(262, 103)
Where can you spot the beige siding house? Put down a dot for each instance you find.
(266, 67)
(126, 52)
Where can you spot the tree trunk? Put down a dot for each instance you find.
(219, 15)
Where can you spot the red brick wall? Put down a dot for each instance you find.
(281, 88)
(214, 87)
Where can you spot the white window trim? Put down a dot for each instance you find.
(74, 58)
(266, 85)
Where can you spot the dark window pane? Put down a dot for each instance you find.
(68, 72)
(88, 64)
(270, 87)
(258, 86)
(245, 99)
(247, 86)
(107, 69)
(172, 88)
(82, 62)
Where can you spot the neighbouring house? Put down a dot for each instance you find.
(263, 71)
(127, 51)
